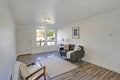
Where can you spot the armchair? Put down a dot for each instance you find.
(24, 72)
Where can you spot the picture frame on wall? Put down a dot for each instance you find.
(75, 32)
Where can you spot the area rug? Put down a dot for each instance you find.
(56, 66)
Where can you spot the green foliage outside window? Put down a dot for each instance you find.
(50, 32)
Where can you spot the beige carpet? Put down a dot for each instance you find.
(56, 66)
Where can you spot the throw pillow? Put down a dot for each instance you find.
(76, 48)
(66, 47)
(79, 48)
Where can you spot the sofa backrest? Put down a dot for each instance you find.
(71, 47)
(82, 48)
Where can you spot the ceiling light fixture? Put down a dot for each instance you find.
(47, 19)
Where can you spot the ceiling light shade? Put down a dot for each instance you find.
(47, 19)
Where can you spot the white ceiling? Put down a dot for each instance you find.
(31, 12)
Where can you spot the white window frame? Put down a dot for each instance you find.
(45, 37)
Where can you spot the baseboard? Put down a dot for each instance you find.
(36, 53)
(45, 52)
(106, 66)
(24, 54)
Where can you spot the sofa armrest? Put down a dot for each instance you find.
(61, 48)
(77, 52)
(80, 53)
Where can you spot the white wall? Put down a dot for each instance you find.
(23, 40)
(7, 41)
(100, 37)
(29, 42)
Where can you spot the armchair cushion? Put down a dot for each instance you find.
(32, 72)
(23, 71)
(36, 75)
(33, 68)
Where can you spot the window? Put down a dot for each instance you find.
(40, 37)
(50, 37)
(45, 37)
